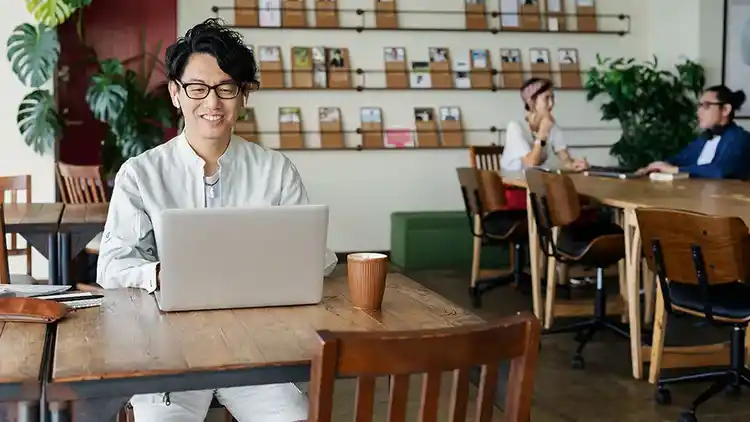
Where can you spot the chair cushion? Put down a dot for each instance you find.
(574, 239)
(95, 243)
(22, 279)
(501, 224)
(730, 300)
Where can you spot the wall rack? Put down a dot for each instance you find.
(495, 27)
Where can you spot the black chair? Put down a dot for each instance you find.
(491, 224)
(556, 204)
(702, 263)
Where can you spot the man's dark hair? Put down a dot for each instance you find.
(227, 46)
(726, 96)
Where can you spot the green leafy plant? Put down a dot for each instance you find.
(656, 108)
(33, 51)
(137, 114)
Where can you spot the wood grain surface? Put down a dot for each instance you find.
(21, 350)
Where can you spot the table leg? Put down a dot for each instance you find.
(65, 259)
(534, 260)
(88, 410)
(53, 257)
(633, 263)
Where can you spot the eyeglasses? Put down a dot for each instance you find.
(705, 105)
(225, 91)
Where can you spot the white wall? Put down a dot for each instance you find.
(15, 156)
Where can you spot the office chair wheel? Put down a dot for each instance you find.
(578, 362)
(687, 416)
(663, 396)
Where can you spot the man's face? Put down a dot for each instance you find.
(710, 111)
(209, 113)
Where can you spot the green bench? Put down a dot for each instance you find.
(438, 240)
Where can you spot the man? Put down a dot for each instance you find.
(722, 151)
(211, 73)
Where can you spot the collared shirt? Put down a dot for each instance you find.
(172, 176)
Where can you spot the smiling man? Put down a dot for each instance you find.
(211, 74)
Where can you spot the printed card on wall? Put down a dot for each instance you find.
(451, 127)
(586, 15)
(531, 19)
(329, 119)
(440, 68)
(246, 13)
(427, 134)
(509, 15)
(570, 69)
(396, 71)
(462, 71)
(511, 68)
(481, 70)
(294, 14)
(271, 67)
(399, 138)
(540, 63)
(326, 13)
(420, 75)
(290, 128)
(387, 14)
(556, 18)
(302, 67)
(270, 13)
(371, 121)
(320, 69)
(246, 126)
(338, 68)
(476, 18)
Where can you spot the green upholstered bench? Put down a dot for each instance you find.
(438, 240)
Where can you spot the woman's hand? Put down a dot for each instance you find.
(545, 126)
(580, 164)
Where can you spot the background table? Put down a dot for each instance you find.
(21, 364)
(79, 224)
(37, 223)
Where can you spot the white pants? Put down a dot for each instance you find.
(261, 403)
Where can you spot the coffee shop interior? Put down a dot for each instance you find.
(465, 287)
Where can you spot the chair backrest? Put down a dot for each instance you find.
(483, 190)
(81, 184)
(367, 355)
(4, 266)
(486, 157)
(694, 248)
(554, 202)
(12, 190)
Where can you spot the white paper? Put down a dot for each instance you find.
(509, 10)
(585, 3)
(554, 6)
(32, 290)
(553, 25)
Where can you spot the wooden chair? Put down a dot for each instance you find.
(81, 184)
(557, 208)
(703, 265)
(13, 186)
(5, 276)
(490, 224)
(371, 354)
(485, 157)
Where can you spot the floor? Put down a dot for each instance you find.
(602, 392)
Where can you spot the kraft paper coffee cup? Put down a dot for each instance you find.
(366, 278)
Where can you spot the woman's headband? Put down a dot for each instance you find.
(530, 91)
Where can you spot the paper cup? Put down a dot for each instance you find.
(366, 278)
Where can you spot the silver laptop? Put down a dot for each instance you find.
(221, 258)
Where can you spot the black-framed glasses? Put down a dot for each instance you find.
(225, 91)
(707, 104)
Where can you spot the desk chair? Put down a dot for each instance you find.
(430, 353)
(5, 276)
(557, 208)
(13, 188)
(702, 263)
(491, 224)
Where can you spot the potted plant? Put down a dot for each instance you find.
(656, 108)
(33, 51)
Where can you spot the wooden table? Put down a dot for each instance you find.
(103, 356)
(79, 224)
(37, 223)
(717, 197)
(21, 364)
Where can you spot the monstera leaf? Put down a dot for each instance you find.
(107, 94)
(38, 120)
(33, 53)
(50, 12)
(77, 4)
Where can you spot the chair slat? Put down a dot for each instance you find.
(459, 395)
(398, 398)
(430, 402)
(364, 403)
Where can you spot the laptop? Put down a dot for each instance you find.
(224, 258)
(615, 172)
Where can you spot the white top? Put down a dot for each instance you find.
(709, 151)
(519, 141)
(171, 176)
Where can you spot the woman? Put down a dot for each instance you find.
(528, 143)
(722, 151)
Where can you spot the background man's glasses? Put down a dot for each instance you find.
(225, 91)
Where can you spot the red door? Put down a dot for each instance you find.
(113, 29)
